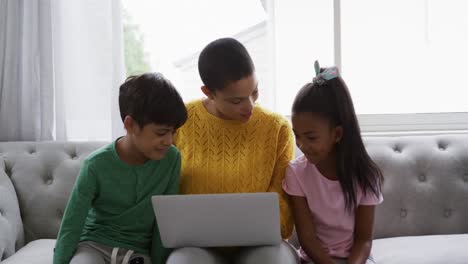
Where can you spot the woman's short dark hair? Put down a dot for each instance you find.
(224, 61)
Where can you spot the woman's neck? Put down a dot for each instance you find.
(211, 108)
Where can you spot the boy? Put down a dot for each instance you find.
(109, 216)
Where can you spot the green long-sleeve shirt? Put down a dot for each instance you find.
(111, 204)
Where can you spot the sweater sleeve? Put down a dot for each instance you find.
(285, 153)
(75, 215)
(159, 253)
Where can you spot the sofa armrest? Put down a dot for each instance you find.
(11, 226)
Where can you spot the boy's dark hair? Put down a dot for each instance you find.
(151, 98)
(332, 101)
(224, 61)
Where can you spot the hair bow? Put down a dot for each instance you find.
(326, 75)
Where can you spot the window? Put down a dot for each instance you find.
(403, 61)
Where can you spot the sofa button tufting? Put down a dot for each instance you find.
(422, 178)
(448, 212)
(49, 181)
(73, 155)
(8, 171)
(403, 212)
(396, 150)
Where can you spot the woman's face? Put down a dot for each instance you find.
(236, 101)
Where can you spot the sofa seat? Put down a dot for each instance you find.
(36, 252)
(434, 249)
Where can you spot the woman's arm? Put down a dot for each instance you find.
(362, 234)
(305, 229)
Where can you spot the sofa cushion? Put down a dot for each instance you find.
(36, 252)
(421, 249)
(11, 226)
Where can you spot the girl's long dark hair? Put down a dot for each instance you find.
(332, 100)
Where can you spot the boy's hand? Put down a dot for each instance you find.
(138, 260)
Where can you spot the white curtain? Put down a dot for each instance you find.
(61, 63)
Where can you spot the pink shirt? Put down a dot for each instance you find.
(333, 223)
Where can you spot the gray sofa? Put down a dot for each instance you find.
(423, 219)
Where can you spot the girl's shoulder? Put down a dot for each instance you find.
(300, 161)
(301, 165)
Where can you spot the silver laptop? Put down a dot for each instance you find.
(218, 220)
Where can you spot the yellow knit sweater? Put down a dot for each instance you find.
(227, 156)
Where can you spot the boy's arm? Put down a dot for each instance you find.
(75, 215)
(362, 234)
(285, 154)
(159, 254)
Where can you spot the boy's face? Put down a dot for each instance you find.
(153, 140)
(315, 136)
(236, 101)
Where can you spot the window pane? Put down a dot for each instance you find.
(304, 33)
(406, 56)
(175, 31)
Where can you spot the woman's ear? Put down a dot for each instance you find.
(207, 92)
(338, 134)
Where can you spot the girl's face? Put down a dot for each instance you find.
(315, 136)
(237, 100)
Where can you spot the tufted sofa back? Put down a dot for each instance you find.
(426, 184)
(43, 174)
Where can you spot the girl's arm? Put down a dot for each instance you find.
(284, 155)
(362, 234)
(305, 229)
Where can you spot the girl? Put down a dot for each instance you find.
(335, 185)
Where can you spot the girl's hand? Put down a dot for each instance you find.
(362, 234)
(305, 229)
